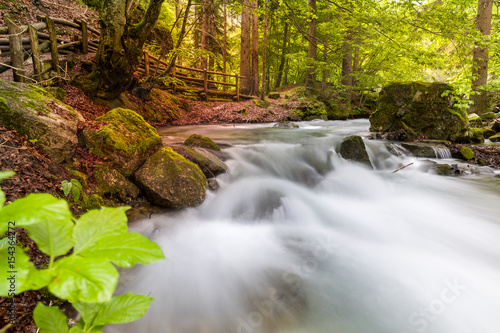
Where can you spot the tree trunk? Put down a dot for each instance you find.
(204, 31)
(224, 45)
(264, 54)
(480, 58)
(347, 62)
(245, 53)
(325, 55)
(311, 51)
(120, 49)
(255, 51)
(282, 57)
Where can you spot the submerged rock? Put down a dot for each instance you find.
(112, 183)
(420, 149)
(419, 109)
(170, 180)
(197, 140)
(125, 138)
(353, 148)
(34, 112)
(285, 124)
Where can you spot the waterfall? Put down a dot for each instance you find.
(442, 152)
(299, 240)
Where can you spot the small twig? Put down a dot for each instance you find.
(402, 167)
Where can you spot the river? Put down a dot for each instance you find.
(298, 240)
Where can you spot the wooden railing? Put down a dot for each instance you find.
(199, 80)
(19, 48)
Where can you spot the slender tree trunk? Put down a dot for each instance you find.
(197, 31)
(325, 55)
(282, 57)
(224, 45)
(178, 7)
(255, 50)
(347, 61)
(245, 52)
(211, 38)
(287, 62)
(480, 58)
(311, 52)
(204, 31)
(264, 54)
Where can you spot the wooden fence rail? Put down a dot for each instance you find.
(204, 85)
(19, 48)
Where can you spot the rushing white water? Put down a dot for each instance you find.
(298, 240)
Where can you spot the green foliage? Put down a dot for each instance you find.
(74, 187)
(86, 275)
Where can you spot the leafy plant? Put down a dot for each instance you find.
(85, 276)
(74, 187)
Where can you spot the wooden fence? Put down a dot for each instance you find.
(198, 80)
(19, 49)
(25, 41)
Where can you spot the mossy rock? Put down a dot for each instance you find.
(32, 111)
(487, 132)
(285, 124)
(495, 138)
(443, 169)
(488, 116)
(420, 149)
(274, 95)
(95, 201)
(422, 108)
(111, 183)
(210, 164)
(80, 176)
(474, 120)
(310, 110)
(476, 135)
(197, 140)
(169, 180)
(125, 138)
(261, 104)
(467, 153)
(353, 148)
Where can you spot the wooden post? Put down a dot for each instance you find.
(53, 45)
(85, 39)
(205, 78)
(16, 51)
(35, 53)
(146, 62)
(237, 87)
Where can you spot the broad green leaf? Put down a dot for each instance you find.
(40, 278)
(33, 208)
(49, 319)
(52, 237)
(2, 198)
(75, 329)
(88, 311)
(15, 269)
(85, 280)
(125, 249)
(66, 187)
(5, 241)
(76, 193)
(6, 174)
(123, 309)
(97, 224)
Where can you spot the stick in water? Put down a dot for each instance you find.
(402, 167)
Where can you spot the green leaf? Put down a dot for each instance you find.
(6, 174)
(15, 269)
(5, 241)
(2, 198)
(85, 280)
(49, 319)
(75, 329)
(52, 237)
(123, 309)
(33, 208)
(97, 224)
(88, 311)
(125, 249)
(66, 187)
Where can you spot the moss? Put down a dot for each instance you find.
(94, 202)
(197, 140)
(80, 176)
(112, 184)
(261, 103)
(495, 138)
(274, 95)
(477, 135)
(467, 153)
(443, 169)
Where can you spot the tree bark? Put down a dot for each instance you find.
(255, 50)
(480, 58)
(120, 49)
(224, 45)
(204, 31)
(264, 54)
(347, 61)
(311, 51)
(282, 57)
(325, 55)
(245, 52)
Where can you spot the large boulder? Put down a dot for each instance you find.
(419, 108)
(170, 180)
(112, 183)
(210, 164)
(34, 112)
(124, 138)
(353, 148)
